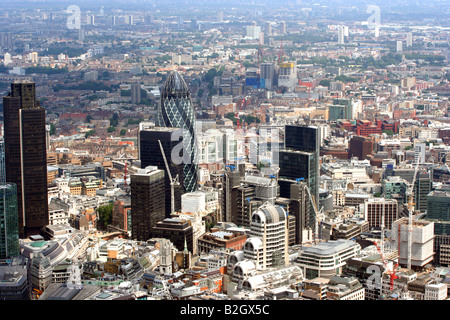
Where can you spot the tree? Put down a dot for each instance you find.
(114, 121)
(123, 132)
(52, 129)
(105, 214)
(111, 129)
(89, 133)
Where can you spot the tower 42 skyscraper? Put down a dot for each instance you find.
(26, 155)
(176, 110)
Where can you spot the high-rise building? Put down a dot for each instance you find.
(422, 188)
(409, 39)
(150, 155)
(2, 162)
(267, 72)
(267, 245)
(128, 19)
(9, 224)
(301, 210)
(341, 35)
(176, 111)
(438, 211)
(306, 139)
(90, 20)
(268, 28)
(283, 29)
(26, 155)
(399, 46)
(135, 93)
(147, 202)
(6, 40)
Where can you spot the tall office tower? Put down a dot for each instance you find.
(283, 27)
(90, 20)
(150, 155)
(399, 46)
(409, 39)
(345, 31)
(375, 208)
(245, 205)
(267, 72)
(220, 16)
(26, 155)
(231, 182)
(176, 111)
(194, 25)
(129, 19)
(295, 165)
(341, 35)
(9, 223)
(268, 28)
(6, 40)
(135, 93)
(267, 245)
(112, 20)
(147, 202)
(361, 147)
(306, 139)
(2, 162)
(422, 188)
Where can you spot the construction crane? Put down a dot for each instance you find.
(411, 204)
(316, 212)
(173, 182)
(392, 275)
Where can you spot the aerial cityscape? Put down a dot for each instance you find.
(219, 151)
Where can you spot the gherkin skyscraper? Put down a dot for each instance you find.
(176, 110)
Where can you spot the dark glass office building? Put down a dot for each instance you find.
(176, 111)
(147, 202)
(300, 159)
(150, 155)
(25, 155)
(9, 223)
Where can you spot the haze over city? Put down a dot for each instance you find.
(245, 151)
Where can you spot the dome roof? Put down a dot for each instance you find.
(175, 85)
(255, 242)
(244, 267)
(269, 214)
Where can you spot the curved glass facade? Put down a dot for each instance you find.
(176, 110)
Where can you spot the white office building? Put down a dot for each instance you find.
(326, 259)
(267, 245)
